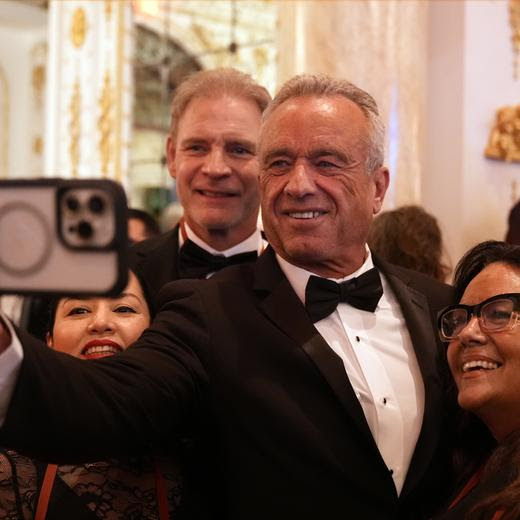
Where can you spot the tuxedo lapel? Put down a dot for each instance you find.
(417, 315)
(156, 262)
(281, 305)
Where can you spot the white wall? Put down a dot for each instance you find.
(470, 75)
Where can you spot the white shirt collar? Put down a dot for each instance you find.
(299, 277)
(254, 242)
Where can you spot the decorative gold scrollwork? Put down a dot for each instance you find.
(105, 124)
(75, 128)
(78, 29)
(504, 139)
(38, 80)
(108, 9)
(37, 145)
(514, 21)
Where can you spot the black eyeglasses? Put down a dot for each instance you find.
(495, 314)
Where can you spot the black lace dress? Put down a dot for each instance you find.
(122, 489)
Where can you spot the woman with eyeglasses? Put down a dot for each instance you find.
(483, 332)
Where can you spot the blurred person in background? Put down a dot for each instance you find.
(141, 225)
(409, 237)
(513, 225)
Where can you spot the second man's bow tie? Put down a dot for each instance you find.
(195, 262)
(322, 296)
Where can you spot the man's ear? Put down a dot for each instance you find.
(170, 156)
(48, 339)
(381, 179)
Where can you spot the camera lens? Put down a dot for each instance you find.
(96, 204)
(85, 230)
(72, 203)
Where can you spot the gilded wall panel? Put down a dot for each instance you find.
(90, 55)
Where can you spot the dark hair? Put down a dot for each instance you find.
(410, 237)
(513, 229)
(150, 224)
(479, 257)
(476, 441)
(504, 462)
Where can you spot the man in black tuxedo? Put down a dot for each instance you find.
(313, 399)
(211, 154)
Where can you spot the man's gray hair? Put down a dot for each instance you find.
(326, 86)
(216, 83)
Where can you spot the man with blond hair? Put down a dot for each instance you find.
(211, 154)
(312, 375)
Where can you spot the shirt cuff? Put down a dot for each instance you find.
(10, 363)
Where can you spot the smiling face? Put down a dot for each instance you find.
(491, 389)
(213, 159)
(98, 327)
(317, 198)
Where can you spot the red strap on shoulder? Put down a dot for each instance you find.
(160, 492)
(470, 484)
(45, 492)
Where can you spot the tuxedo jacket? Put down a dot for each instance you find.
(155, 261)
(236, 362)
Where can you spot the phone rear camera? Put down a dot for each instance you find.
(96, 204)
(72, 203)
(85, 230)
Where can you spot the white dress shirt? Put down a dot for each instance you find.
(254, 242)
(381, 365)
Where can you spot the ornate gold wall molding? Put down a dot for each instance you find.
(75, 128)
(108, 9)
(120, 57)
(504, 139)
(38, 81)
(37, 145)
(514, 21)
(4, 144)
(79, 27)
(105, 124)
(38, 72)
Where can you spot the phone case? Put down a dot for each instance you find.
(63, 237)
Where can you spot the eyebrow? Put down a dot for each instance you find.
(246, 143)
(320, 152)
(278, 152)
(315, 154)
(119, 296)
(227, 140)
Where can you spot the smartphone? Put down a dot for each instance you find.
(63, 237)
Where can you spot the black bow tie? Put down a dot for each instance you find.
(195, 262)
(322, 296)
